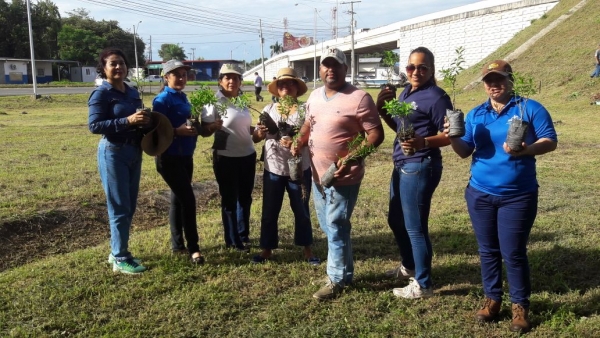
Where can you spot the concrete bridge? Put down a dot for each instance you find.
(480, 28)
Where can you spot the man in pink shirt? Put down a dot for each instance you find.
(335, 114)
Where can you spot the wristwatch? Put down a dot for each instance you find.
(426, 143)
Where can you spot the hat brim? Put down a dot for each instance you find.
(505, 74)
(157, 140)
(302, 89)
(341, 62)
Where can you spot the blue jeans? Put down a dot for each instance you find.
(411, 189)
(334, 208)
(120, 167)
(502, 225)
(274, 187)
(596, 72)
(235, 176)
(177, 172)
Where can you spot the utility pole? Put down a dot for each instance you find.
(262, 41)
(150, 49)
(193, 53)
(33, 69)
(352, 37)
(137, 69)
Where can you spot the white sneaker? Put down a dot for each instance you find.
(413, 291)
(400, 272)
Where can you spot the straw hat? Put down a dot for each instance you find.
(287, 74)
(160, 136)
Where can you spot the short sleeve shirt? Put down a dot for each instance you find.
(334, 121)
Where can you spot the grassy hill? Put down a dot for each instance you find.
(53, 231)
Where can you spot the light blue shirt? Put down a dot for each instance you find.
(493, 171)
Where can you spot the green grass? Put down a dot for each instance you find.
(48, 178)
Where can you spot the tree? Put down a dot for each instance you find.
(389, 60)
(113, 35)
(79, 44)
(170, 51)
(276, 48)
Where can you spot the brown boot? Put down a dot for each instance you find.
(489, 310)
(520, 321)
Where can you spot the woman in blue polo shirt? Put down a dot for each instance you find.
(502, 195)
(415, 177)
(115, 112)
(176, 164)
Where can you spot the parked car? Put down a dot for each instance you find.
(98, 82)
(153, 78)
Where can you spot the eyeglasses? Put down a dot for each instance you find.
(420, 68)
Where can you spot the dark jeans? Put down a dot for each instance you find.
(177, 173)
(274, 187)
(411, 189)
(235, 176)
(502, 225)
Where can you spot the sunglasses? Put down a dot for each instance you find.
(420, 68)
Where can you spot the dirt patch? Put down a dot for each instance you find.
(70, 226)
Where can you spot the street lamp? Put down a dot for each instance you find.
(315, 47)
(135, 29)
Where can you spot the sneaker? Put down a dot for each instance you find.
(111, 259)
(128, 266)
(400, 272)
(329, 291)
(413, 291)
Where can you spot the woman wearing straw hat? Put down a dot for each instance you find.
(276, 178)
(115, 111)
(234, 166)
(176, 164)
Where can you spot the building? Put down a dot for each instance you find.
(202, 70)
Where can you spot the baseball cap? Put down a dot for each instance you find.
(171, 65)
(497, 66)
(335, 53)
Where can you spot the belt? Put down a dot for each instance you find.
(122, 140)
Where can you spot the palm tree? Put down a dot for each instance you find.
(276, 48)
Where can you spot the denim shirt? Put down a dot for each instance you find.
(427, 118)
(175, 106)
(108, 109)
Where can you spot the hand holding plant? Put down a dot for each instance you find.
(456, 118)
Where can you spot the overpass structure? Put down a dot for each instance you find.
(480, 28)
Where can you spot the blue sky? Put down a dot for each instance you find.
(230, 28)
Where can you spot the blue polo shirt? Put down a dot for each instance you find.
(175, 105)
(108, 109)
(493, 171)
(427, 119)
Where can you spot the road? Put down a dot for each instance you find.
(84, 90)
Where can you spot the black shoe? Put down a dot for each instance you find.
(258, 259)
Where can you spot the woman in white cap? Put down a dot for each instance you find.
(276, 177)
(176, 164)
(234, 166)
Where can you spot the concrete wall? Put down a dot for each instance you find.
(479, 31)
(15, 72)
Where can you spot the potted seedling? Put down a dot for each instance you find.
(358, 150)
(204, 96)
(523, 88)
(456, 118)
(401, 111)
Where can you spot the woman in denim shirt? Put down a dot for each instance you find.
(176, 164)
(115, 112)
